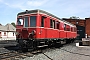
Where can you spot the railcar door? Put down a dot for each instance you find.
(46, 26)
(43, 27)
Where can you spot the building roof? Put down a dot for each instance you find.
(71, 19)
(7, 27)
(10, 27)
(3, 28)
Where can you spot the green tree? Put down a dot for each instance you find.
(13, 24)
(74, 17)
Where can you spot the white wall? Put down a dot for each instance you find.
(8, 35)
(2, 35)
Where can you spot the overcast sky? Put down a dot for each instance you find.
(59, 8)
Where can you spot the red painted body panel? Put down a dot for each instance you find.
(62, 34)
(68, 34)
(52, 33)
(45, 32)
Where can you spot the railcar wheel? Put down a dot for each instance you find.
(72, 40)
(58, 44)
(24, 49)
(68, 41)
(21, 49)
(32, 45)
(49, 44)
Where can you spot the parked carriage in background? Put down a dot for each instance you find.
(38, 28)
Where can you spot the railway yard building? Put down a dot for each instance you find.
(83, 26)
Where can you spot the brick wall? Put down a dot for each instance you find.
(87, 26)
(80, 22)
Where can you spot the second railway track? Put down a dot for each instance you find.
(14, 55)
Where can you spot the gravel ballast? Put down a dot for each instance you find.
(67, 52)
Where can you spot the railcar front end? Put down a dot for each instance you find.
(26, 30)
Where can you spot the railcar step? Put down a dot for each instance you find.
(57, 42)
(42, 42)
(42, 46)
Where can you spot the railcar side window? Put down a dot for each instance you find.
(42, 21)
(51, 23)
(32, 21)
(57, 25)
(68, 28)
(54, 24)
(20, 21)
(65, 27)
(26, 21)
(72, 29)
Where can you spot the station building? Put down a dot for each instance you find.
(7, 31)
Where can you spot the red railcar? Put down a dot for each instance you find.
(38, 28)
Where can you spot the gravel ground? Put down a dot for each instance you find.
(67, 52)
(6, 43)
(7, 46)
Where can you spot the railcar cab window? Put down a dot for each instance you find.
(19, 21)
(26, 21)
(32, 21)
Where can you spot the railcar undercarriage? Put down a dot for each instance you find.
(33, 44)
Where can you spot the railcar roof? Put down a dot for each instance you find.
(44, 12)
(37, 11)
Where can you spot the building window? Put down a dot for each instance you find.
(4, 33)
(76, 22)
(13, 33)
(0, 34)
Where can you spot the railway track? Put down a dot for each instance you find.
(14, 55)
